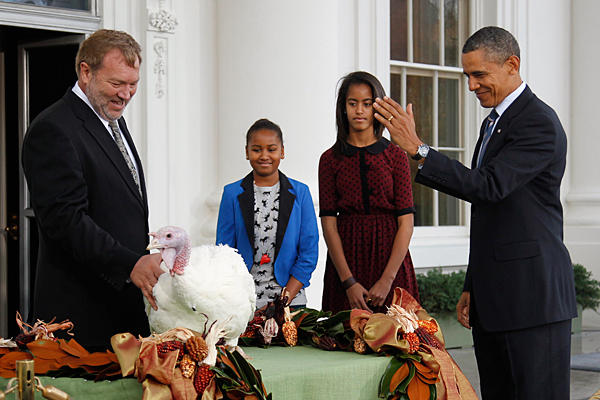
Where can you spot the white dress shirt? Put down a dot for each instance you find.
(77, 90)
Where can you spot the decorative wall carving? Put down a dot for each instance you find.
(160, 67)
(162, 20)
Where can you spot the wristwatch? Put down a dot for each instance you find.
(422, 152)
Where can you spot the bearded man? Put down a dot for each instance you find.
(88, 193)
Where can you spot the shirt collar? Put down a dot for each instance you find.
(77, 90)
(508, 100)
(375, 148)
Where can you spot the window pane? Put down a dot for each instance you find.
(420, 94)
(448, 113)
(398, 30)
(451, 33)
(422, 197)
(426, 31)
(396, 87)
(449, 207)
(72, 4)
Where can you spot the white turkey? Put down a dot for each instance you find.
(204, 284)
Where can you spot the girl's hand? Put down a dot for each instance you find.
(379, 292)
(356, 296)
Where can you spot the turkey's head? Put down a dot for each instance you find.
(174, 246)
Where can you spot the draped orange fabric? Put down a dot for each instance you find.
(150, 364)
(127, 349)
(380, 331)
(160, 378)
(155, 391)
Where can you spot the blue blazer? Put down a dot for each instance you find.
(297, 236)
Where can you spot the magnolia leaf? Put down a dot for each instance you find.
(404, 356)
(399, 376)
(246, 371)
(418, 390)
(402, 388)
(432, 392)
(247, 381)
(390, 370)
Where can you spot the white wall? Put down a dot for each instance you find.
(582, 230)
(193, 129)
(173, 117)
(230, 62)
(279, 60)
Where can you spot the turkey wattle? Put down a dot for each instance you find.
(203, 282)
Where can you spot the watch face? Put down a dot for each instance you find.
(422, 152)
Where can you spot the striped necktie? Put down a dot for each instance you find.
(491, 119)
(114, 126)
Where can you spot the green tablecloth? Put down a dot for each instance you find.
(81, 389)
(309, 373)
(289, 373)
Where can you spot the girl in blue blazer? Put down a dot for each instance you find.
(271, 220)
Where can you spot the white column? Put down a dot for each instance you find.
(281, 61)
(582, 230)
(161, 27)
(173, 116)
(194, 125)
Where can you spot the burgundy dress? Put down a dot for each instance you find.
(366, 188)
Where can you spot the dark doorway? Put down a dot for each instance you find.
(38, 67)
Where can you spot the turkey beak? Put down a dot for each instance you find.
(155, 244)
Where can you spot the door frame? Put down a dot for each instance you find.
(52, 18)
(3, 209)
(25, 211)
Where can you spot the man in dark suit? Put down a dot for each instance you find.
(89, 196)
(519, 295)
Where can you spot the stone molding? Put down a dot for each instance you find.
(162, 19)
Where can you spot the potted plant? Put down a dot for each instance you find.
(587, 292)
(439, 292)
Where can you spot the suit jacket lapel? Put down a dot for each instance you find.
(286, 203)
(101, 135)
(246, 200)
(497, 137)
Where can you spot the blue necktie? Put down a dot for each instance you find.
(491, 119)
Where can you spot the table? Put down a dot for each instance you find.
(289, 373)
(303, 372)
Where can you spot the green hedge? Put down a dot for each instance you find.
(439, 292)
(587, 289)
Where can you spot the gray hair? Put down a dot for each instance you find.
(497, 43)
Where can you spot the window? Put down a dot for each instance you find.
(426, 38)
(84, 5)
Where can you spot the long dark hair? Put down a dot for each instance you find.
(341, 118)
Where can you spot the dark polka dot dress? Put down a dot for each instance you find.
(367, 189)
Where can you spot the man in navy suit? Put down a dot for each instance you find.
(89, 196)
(519, 295)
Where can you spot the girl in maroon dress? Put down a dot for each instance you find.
(366, 205)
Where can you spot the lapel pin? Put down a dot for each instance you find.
(499, 130)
